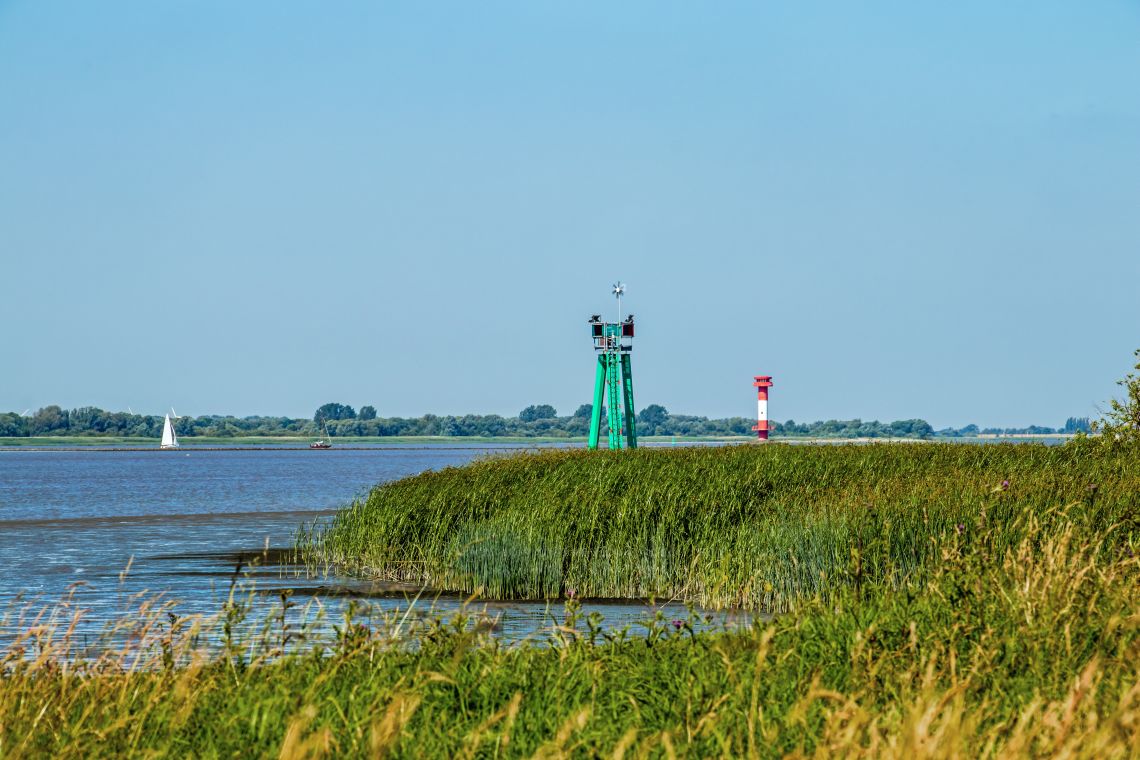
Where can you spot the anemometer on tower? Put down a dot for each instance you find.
(613, 378)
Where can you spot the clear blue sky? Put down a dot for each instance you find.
(898, 209)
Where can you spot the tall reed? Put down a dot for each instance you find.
(757, 527)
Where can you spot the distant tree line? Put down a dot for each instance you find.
(1072, 425)
(89, 420)
(539, 420)
(856, 429)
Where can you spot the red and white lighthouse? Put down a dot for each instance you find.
(762, 383)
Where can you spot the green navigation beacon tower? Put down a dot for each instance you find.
(613, 379)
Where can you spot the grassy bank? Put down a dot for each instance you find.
(1003, 650)
(752, 526)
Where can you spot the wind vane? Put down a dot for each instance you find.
(619, 291)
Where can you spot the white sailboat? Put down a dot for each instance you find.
(169, 438)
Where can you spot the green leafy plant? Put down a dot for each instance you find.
(1122, 420)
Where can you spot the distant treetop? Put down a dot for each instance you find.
(539, 412)
(333, 411)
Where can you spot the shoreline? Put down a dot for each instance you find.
(406, 443)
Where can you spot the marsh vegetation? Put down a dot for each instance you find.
(1004, 647)
(756, 527)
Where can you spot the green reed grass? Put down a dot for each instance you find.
(1004, 649)
(750, 526)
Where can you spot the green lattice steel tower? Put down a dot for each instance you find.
(613, 378)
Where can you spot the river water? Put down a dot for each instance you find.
(110, 525)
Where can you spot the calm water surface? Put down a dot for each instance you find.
(181, 520)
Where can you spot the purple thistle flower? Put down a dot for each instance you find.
(570, 593)
(961, 527)
(678, 623)
(1005, 485)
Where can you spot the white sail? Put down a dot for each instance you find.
(169, 439)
